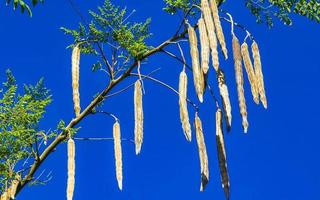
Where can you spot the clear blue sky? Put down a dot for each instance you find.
(278, 159)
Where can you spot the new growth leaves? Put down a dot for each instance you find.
(110, 26)
(20, 115)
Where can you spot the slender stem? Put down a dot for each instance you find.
(167, 86)
(183, 21)
(177, 58)
(231, 22)
(108, 114)
(213, 96)
(129, 86)
(236, 24)
(182, 55)
(105, 60)
(102, 139)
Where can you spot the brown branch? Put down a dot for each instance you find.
(63, 135)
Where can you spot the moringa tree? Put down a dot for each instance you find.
(22, 150)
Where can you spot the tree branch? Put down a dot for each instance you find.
(63, 135)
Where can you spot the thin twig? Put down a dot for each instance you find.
(108, 114)
(213, 96)
(177, 58)
(167, 86)
(236, 24)
(129, 86)
(102, 139)
(183, 20)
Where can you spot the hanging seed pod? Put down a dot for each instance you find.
(184, 115)
(5, 196)
(202, 153)
(207, 15)
(118, 152)
(205, 48)
(222, 157)
(75, 79)
(259, 74)
(250, 72)
(198, 78)
(239, 80)
(138, 116)
(224, 93)
(13, 188)
(218, 27)
(71, 168)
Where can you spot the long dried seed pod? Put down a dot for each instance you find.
(205, 48)
(224, 93)
(222, 157)
(118, 152)
(138, 116)
(13, 188)
(239, 80)
(202, 153)
(250, 72)
(5, 196)
(207, 15)
(259, 74)
(184, 115)
(75, 79)
(198, 78)
(71, 168)
(218, 27)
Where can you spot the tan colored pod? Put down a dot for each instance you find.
(138, 116)
(218, 27)
(202, 153)
(13, 188)
(184, 114)
(118, 152)
(71, 168)
(259, 74)
(207, 15)
(239, 81)
(205, 47)
(224, 93)
(75, 79)
(250, 72)
(198, 78)
(5, 196)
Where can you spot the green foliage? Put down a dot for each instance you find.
(110, 27)
(23, 5)
(172, 6)
(20, 115)
(265, 10)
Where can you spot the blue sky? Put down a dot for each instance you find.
(277, 160)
